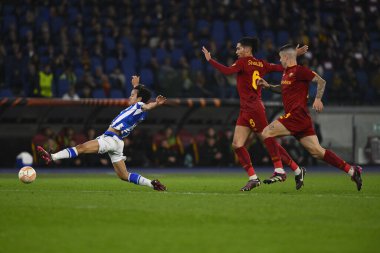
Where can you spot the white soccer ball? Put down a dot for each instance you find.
(27, 174)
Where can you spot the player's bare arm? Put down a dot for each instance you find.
(135, 81)
(276, 88)
(206, 53)
(160, 100)
(321, 84)
(301, 50)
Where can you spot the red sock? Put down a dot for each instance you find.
(272, 147)
(245, 160)
(334, 160)
(285, 157)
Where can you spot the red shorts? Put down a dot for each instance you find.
(255, 119)
(298, 122)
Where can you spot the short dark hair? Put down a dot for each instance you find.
(143, 92)
(287, 46)
(252, 42)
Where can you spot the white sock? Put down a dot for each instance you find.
(297, 171)
(253, 177)
(351, 171)
(279, 170)
(65, 153)
(145, 181)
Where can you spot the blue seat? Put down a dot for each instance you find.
(249, 28)
(176, 55)
(145, 55)
(328, 76)
(109, 44)
(146, 77)
(362, 78)
(128, 63)
(98, 93)
(72, 13)
(375, 45)
(196, 64)
(8, 20)
(128, 71)
(56, 24)
(7, 9)
(161, 55)
(116, 93)
(95, 62)
(234, 30)
(111, 64)
(267, 34)
(79, 71)
(6, 93)
(63, 87)
(282, 38)
(218, 33)
(202, 24)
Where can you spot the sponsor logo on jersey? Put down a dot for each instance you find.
(255, 63)
(286, 82)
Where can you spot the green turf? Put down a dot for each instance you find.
(199, 213)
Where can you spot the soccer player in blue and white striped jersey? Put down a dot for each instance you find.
(111, 141)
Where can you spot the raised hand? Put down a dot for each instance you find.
(301, 50)
(135, 81)
(206, 53)
(160, 100)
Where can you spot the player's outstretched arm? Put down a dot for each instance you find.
(276, 88)
(206, 53)
(301, 50)
(160, 100)
(225, 70)
(135, 81)
(321, 84)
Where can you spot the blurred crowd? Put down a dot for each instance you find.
(84, 49)
(165, 148)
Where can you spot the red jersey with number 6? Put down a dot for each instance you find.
(248, 70)
(295, 87)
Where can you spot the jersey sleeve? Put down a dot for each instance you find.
(235, 68)
(139, 105)
(271, 67)
(305, 74)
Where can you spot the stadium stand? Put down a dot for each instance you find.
(92, 34)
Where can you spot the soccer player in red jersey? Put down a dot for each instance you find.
(252, 111)
(297, 121)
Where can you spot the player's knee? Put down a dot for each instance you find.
(236, 145)
(80, 148)
(316, 153)
(266, 133)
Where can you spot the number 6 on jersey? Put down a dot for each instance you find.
(255, 77)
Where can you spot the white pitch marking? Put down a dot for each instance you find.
(317, 195)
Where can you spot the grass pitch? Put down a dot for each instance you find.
(199, 213)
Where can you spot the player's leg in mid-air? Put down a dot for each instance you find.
(240, 137)
(103, 144)
(89, 147)
(277, 154)
(279, 175)
(123, 174)
(312, 145)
